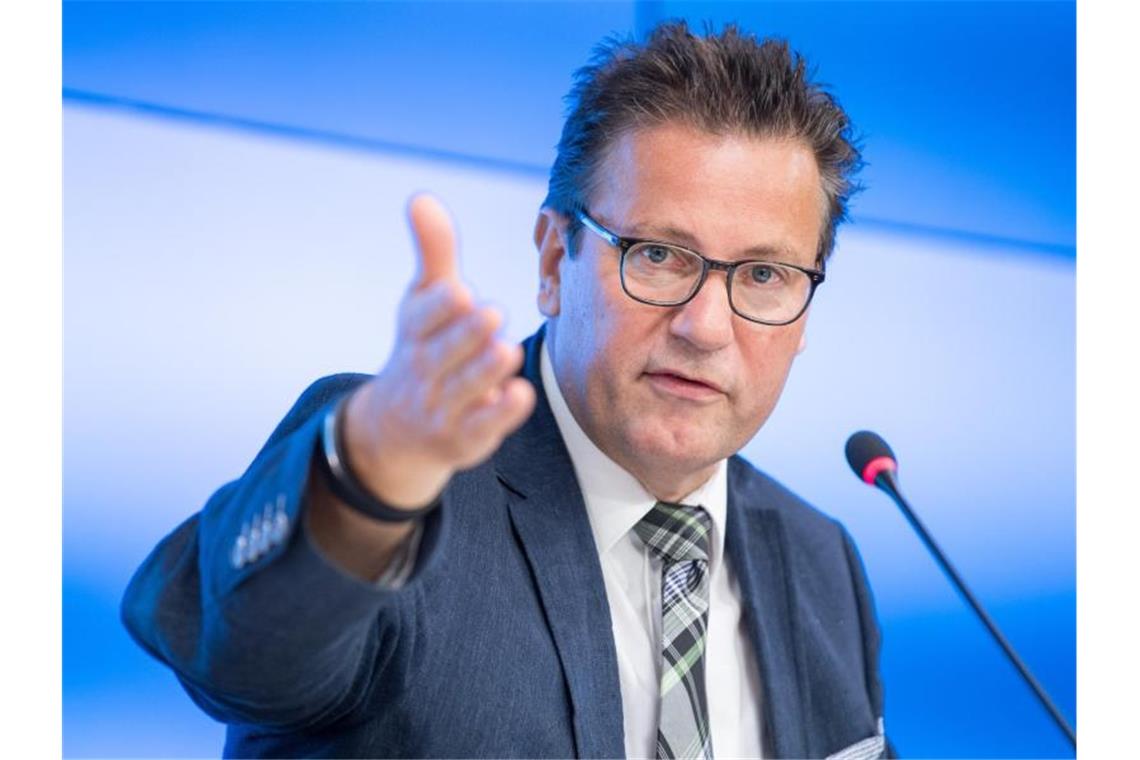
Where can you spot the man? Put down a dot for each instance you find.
(451, 558)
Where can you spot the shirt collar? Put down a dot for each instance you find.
(615, 500)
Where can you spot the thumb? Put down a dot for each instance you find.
(434, 237)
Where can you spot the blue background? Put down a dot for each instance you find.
(233, 169)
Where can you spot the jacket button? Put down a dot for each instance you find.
(256, 548)
(238, 554)
(266, 525)
(280, 525)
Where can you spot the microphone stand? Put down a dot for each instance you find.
(887, 482)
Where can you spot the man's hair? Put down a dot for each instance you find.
(727, 83)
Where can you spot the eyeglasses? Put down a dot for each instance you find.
(663, 274)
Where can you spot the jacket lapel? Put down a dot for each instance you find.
(756, 546)
(549, 516)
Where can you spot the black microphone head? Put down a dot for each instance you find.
(869, 455)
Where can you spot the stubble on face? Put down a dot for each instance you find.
(669, 392)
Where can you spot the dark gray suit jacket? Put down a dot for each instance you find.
(501, 644)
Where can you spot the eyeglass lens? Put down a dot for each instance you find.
(665, 275)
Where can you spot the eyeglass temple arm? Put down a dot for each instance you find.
(608, 236)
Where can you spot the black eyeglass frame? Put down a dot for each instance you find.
(624, 245)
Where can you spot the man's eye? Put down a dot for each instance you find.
(657, 254)
(765, 275)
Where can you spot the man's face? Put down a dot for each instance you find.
(668, 392)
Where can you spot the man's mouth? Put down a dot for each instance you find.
(684, 386)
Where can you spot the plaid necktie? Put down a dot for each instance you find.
(679, 536)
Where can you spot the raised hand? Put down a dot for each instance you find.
(447, 396)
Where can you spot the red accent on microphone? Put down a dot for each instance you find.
(877, 466)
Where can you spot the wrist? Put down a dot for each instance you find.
(383, 456)
(344, 479)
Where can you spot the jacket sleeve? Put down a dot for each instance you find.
(256, 623)
(868, 621)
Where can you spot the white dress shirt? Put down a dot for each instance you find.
(615, 502)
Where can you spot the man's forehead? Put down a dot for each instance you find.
(641, 188)
(681, 154)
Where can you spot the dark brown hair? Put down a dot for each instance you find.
(720, 83)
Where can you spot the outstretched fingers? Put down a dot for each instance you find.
(486, 425)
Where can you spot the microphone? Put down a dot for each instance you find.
(875, 464)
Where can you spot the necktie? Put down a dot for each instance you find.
(679, 536)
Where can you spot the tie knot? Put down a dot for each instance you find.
(676, 532)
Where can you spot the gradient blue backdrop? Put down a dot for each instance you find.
(234, 181)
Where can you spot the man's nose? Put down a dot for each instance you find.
(707, 320)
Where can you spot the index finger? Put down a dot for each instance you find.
(434, 237)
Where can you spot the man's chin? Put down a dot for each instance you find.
(674, 454)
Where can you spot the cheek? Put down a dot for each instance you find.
(601, 316)
(589, 334)
(581, 326)
(766, 367)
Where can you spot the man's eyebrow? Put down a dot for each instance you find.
(670, 234)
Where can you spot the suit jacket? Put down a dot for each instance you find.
(500, 644)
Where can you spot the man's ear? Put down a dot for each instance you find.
(550, 240)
